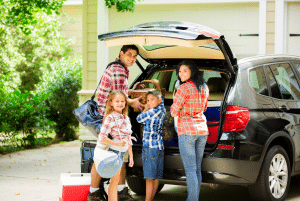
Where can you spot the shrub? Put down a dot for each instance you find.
(21, 113)
(61, 85)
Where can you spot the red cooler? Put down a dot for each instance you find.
(75, 186)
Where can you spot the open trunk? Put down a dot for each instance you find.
(217, 83)
(163, 45)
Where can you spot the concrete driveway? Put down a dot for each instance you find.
(33, 175)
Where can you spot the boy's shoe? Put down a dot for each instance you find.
(124, 195)
(96, 196)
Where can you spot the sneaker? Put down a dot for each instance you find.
(124, 195)
(96, 196)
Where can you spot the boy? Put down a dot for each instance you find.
(153, 148)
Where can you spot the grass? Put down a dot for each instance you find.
(17, 143)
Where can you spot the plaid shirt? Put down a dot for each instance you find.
(189, 105)
(115, 77)
(118, 126)
(153, 120)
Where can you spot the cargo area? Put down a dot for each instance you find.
(217, 83)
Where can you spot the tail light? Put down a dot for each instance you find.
(236, 118)
(226, 147)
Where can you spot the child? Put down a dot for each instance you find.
(117, 124)
(153, 148)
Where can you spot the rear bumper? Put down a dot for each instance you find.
(214, 170)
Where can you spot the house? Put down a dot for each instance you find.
(73, 28)
(250, 27)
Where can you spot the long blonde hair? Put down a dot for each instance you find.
(109, 108)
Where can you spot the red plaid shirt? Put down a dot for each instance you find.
(189, 105)
(115, 77)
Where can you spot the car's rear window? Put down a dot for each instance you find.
(216, 81)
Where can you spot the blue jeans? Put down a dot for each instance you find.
(191, 151)
(153, 163)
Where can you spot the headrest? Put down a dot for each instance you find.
(216, 84)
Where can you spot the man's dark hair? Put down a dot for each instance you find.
(125, 48)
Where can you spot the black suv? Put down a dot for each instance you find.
(253, 109)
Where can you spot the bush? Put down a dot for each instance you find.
(21, 113)
(61, 85)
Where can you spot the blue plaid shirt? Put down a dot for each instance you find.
(153, 120)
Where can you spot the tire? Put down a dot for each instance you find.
(138, 185)
(270, 177)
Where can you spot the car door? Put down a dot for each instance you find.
(288, 102)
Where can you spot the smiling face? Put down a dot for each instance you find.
(118, 103)
(153, 101)
(184, 73)
(129, 57)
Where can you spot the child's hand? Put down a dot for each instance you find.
(131, 161)
(146, 108)
(121, 143)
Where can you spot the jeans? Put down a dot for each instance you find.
(153, 163)
(191, 151)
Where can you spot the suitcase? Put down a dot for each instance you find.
(87, 154)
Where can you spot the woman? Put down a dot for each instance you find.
(189, 104)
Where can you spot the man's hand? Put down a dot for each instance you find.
(138, 85)
(136, 104)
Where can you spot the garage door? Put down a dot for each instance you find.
(239, 22)
(293, 28)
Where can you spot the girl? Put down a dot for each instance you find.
(117, 124)
(189, 104)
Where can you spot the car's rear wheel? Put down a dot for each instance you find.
(274, 178)
(138, 185)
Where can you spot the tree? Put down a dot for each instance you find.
(21, 12)
(121, 5)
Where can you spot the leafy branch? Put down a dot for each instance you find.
(121, 5)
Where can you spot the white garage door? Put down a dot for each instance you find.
(293, 28)
(238, 22)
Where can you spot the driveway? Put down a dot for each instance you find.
(33, 175)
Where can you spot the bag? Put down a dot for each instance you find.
(88, 115)
(107, 163)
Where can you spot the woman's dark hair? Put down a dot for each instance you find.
(195, 74)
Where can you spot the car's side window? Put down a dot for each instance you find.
(286, 80)
(297, 65)
(257, 81)
(275, 92)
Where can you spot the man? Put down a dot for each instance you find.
(115, 77)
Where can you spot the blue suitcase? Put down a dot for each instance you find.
(87, 155)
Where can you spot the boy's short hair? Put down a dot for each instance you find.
(154, 92)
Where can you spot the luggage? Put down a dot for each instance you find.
(87, 154)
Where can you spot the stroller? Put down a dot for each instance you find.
(87, 154)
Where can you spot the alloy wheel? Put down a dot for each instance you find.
(278, 175)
